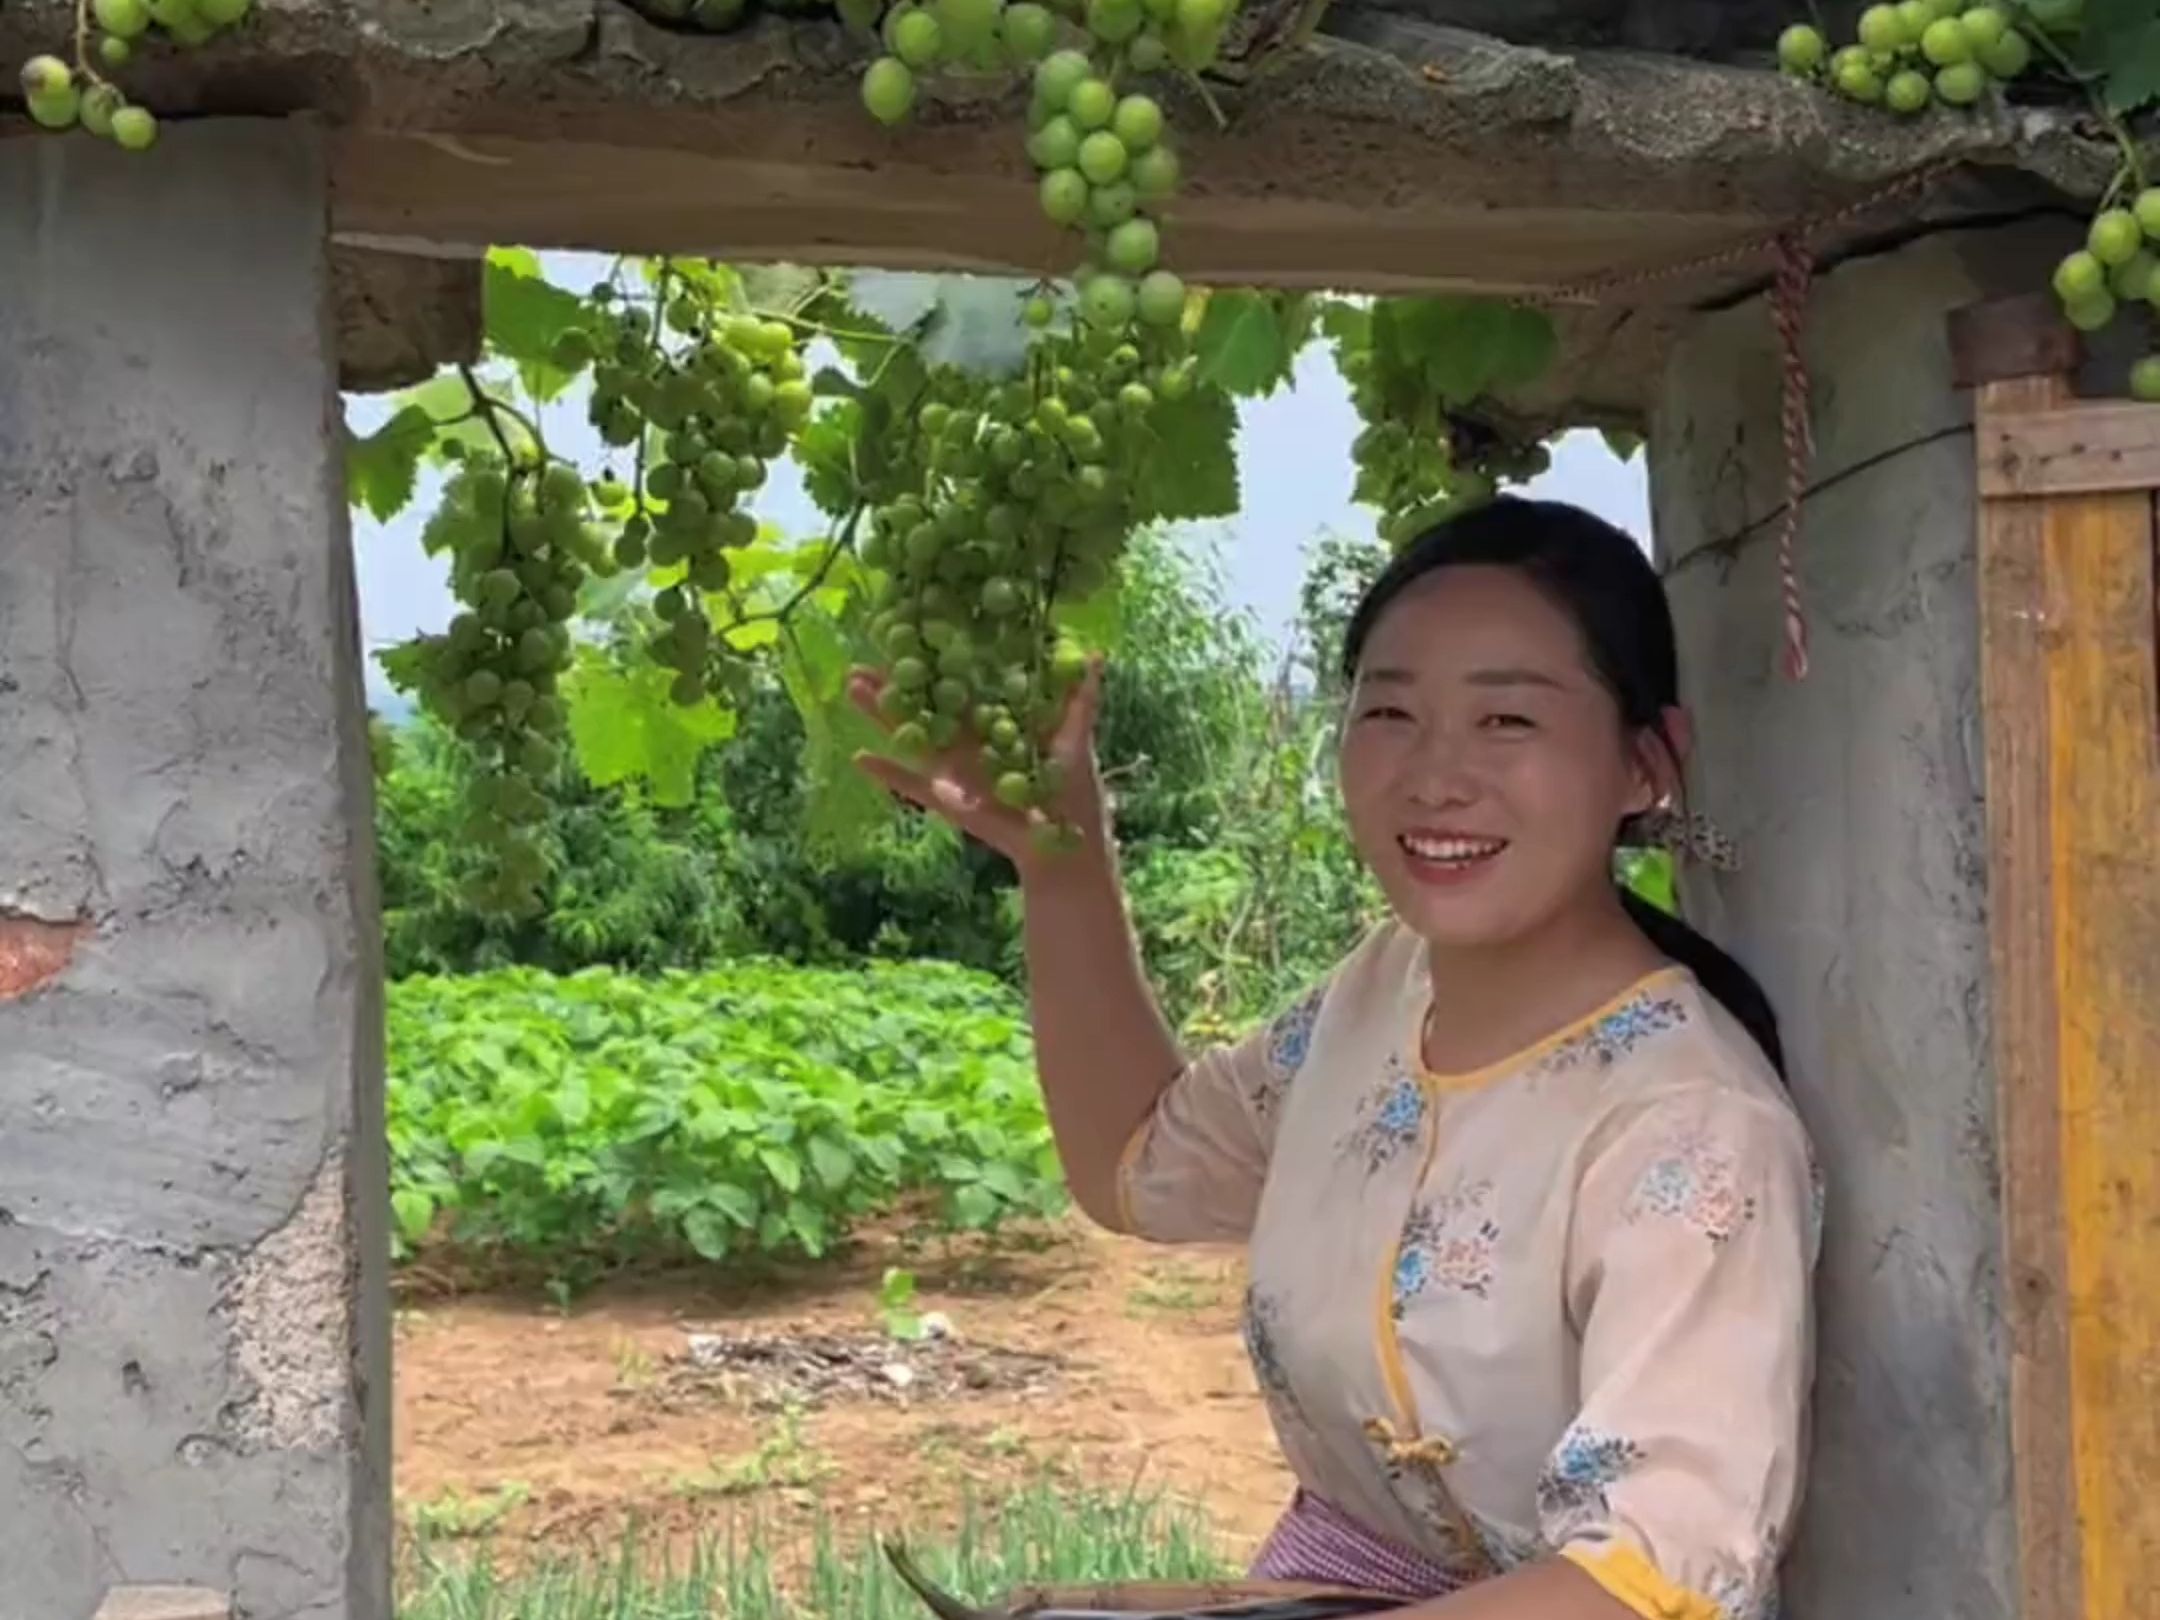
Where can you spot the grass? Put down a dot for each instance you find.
(1042, 1533)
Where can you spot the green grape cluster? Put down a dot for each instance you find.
(1414, 464)
(60, 95)
(1025, 504)
(1915, 53)
(1106, 164)
(1106, 169)
(705, 413)
(2118, 265)
(521, 547)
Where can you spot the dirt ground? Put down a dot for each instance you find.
(674, 1401)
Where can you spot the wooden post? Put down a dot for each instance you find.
(2070, 677)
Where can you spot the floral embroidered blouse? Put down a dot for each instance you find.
(1559, 1305)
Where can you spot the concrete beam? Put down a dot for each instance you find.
(1392, 153)
(1389, 154)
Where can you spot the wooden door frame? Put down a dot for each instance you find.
(2070, 681)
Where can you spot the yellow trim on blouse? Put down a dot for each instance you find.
(1536, 1049)
(1629, 1576)
(1432, 1082)
(1390, 1342)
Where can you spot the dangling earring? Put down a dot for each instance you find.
(1689, 837)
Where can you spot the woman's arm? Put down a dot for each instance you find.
(1102, 1046)
(1553, 1589)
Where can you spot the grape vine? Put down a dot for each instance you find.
(1422, 372)
(1917, 54)
(983, 450)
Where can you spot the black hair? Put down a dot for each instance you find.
(1601, 578)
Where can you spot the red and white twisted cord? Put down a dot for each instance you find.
(1788, 304)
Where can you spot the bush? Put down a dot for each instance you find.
(755, 1109)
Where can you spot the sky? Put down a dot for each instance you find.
(1293, 462)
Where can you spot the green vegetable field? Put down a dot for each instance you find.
(755, 1108)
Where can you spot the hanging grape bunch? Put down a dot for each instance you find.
(2117, 266)
(62, 95)
(1030, 489)
(704, 405)
(1915, 53)
(1102, 153)
(1025, 504)
(520, 548)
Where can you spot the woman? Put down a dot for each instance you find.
(1531, 1221)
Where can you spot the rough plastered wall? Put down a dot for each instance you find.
(193, 1383)
(1857, 796)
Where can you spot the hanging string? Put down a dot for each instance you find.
(1788, 307)
(1788, 247)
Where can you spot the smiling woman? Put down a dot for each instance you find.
(1532, 1224)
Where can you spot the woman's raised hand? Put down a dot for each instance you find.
(953, 783)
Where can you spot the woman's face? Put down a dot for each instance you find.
(1484, 768)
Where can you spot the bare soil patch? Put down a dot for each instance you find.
(680, 1400)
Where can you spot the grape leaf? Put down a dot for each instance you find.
(626, 726)
(753, 634)
(898, 300)
(405, 665)
(841, 803)
(973, 323)
(1464, 347)
(456, 525)
(450, 403)
(380, 470)
(1621, 443)
(980, 326)
(1194, 474)
(825, 448)
(778, 287)
(719, 282)
(1097, 622)
(1241, 343)
(524, 314)
(1299, 314)
(2120, 39)
(863, 340)
(602, 596)
(1345, 324)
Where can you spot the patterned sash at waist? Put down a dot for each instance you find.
(1316, 1541)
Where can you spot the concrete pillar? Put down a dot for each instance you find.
(194, 1355)
(1857, 797)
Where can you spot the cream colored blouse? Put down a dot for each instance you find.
(1559, 1305)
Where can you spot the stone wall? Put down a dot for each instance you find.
(193, 1344)
(1857, 796)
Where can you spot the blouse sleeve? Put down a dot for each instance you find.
(1690, 1273)
(1193, 1170)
